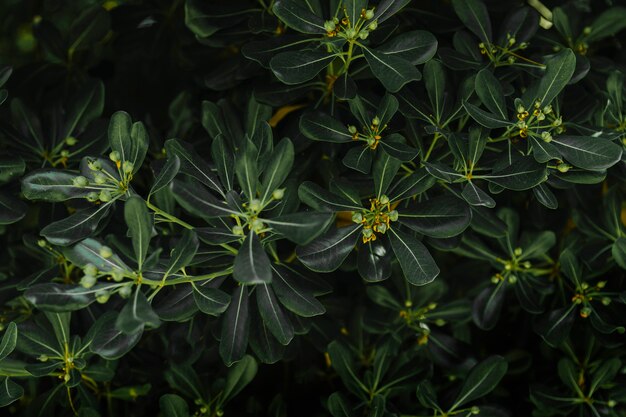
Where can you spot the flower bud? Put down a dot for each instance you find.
(42, 243)
(369, 14)
(393, 215)
(43, 358)
(117, 275)
(517, 252)
(115, 156)
(511, 41)
(125, 291)
(80, 181)
(105, 252)
(363, 35)
(382, 228)
(254, 205)
(278, 194)
(375, 121)
(611, 403)
(475, 410)
(102, 296)
(90, 269)
(128, 167)
(100, 179)
(585, 312)
(237, 230)
(563, 168)
(65, 153)
(373, 25)
(94, 165)
(92, 196)
(587, 30)
(357, 217)
(104, 196)
(257, 225)
(523, 45)
(88, 281)
(546, 136)
(383, 199)
(329, 25)
(352, 129)
(512, 279)
(601, 284)
(350, 33)
(605, 301)
(71, 141)
(557, 122)
(367, 233)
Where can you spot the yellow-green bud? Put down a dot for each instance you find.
(601, 284)
(557, 122)
(237, 230)
(42, 243)
(257, 225)
(373, 25)
(585, 312)
(102, 296)
(90, 269)
(125, 291)
(517, 252)
(587, 30)
(88, 281)
(393, 215)
(92, 196)
(563, 168)
(605, 301)
(527, 265)
(65, 153)
(382, 228)
(104, 196)
(611, 403)
(117, 275)
(278, 194)
(105, 252)
(71, 141)
(512, 279)
(115, 156)
(375, 121)
(440, 322)
(384, 199)
(43, 358)
(363, 35)
(128, 167)
(523, 45)
(369, 14)
(546, 136)
(100, 179)
(475, 410)
(352, 129)
(367, 233)
(511, 41)
(94, 165)
(329, 25)
(350, 33)
(80, 181)
(254, 205)
(511, 59)
(357, 217)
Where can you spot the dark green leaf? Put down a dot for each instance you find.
(319, 126)
(489, 91)
(296, 16)
(252, 265)
(140, 223)
(75, 227)
(273, 315)
(235, 327)
(327, 252)
(210, 300)
(417, 264)
(417, 46)
(482, 379)
(586, 152)
(392, 71)
(474, 15)
(136, 314)
(302, 227)
(173, 406)
(440, 217)
(295, 67)
(166, 175)
(9, 340)
(52, 185)
(559, 71)
(128, 138)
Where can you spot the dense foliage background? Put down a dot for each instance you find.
(312, 208)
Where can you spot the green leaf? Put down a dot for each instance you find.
(373, 261)
(235, 327)
(9, 340)
(315, 196)
(210, 300)
(395, 145)
(129, 139)
(9, 392)
(183, 253)
(136, 314)
(273, 315)
(474, 15)
(353, 9)
(490, 120)
(239, 376)
(295, 67)
(277, 169)
(490, 92)
(482, 379)
(294, 15)
(88, 251)
(416, 46)
(51, 185)
(75, 227)
(439, 217)
(388, 8)
(140, 223)
(586, 152)
(109, 342)
(327, 252)
(247, 169)
(192, 165)
(12, 209)
(224, 161)
(487, 306)
(393, 72)
(338, 406)
(60, 297)
(475, 196)
(608, 23)
(604, 374)
(556, 325)
(435, 82)
(384, 171)
(11, 168)
(173, 406)
(417, 264)
(522, 174)
(252, 265)
(301, 227)
(293, 294)
(196, 200)
(559, 71)
(319, 126)
(359, 158)
(166, 174)
(618, 251)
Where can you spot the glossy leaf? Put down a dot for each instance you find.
(417, 264)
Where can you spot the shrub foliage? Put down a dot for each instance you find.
(311, 208)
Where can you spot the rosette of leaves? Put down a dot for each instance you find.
(348, 39)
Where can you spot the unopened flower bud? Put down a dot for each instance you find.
(90, 269)
(94, 165)
(80, 181)
(605, 301)
(65, 153)
(329, 25)
(357, 217)
(104, 196)
(128, 167)
(587, 30)
(43, 358)
(363, 35)
(375, 121)
(71, 141)
(102, 296)
(475, 410)
(117, 275)
(105, 252)
(511, 41)
(369, 14)
(563, 168)
(383, 199)
(585, 312)
(373, 25)
(42, 243)
(88, 281)
(512, 279)
(92, 196)
(557, 122)
(100, 179)
(350, 33)
(517, 252)
(115, 156)
(352, 129)
(255, 205)
(393, 215)
(257, 225)
(237, 230)
(546, 136)
(523, 45)
(125, 291)
(278, 194)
